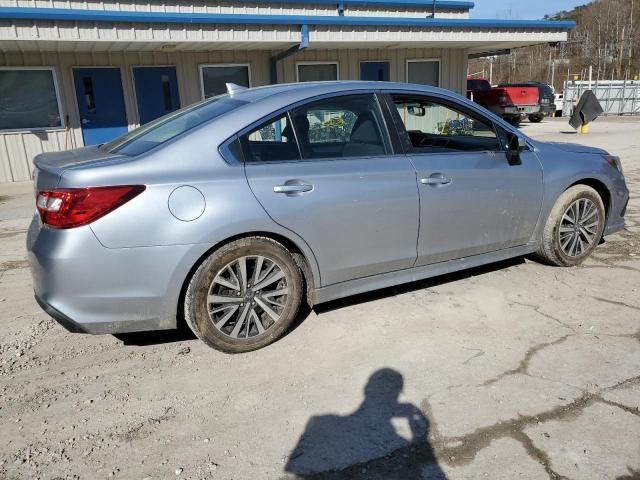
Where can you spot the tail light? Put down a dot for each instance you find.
(74, 207)
(505, 101)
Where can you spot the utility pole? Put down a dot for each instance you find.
(491, 70)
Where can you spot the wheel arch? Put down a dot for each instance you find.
(299, 256)
(600, 187)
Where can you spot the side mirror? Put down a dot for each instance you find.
(515, 146)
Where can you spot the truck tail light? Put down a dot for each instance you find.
(505, 101)
(74, 207)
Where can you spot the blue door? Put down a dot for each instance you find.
(100, 103)
(375, 71)
(156, 92)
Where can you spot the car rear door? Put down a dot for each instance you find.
(472, 201)
(336, 183)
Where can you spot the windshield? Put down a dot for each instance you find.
(170, 126)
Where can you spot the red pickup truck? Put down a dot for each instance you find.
(511, 103)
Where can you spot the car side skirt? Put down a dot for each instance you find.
(361, 285)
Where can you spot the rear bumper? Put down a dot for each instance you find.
(89, 288)
(521, 110)
(60, 317)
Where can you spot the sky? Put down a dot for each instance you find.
(521, 9)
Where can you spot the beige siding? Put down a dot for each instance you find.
(17, 149)
(230, 7)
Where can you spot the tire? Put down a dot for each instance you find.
(557, 243)
(255, 311)
(535, 118)
(515, 121)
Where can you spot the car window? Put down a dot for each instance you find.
(340, 127)
(274, 140)
(478, 85)
(170, 126)
(436, 127)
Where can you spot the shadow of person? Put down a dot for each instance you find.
(382, 439)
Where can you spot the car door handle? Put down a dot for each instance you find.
(436, 179)
(292, 188)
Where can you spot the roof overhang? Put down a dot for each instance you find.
(426, 4)
(46, 29)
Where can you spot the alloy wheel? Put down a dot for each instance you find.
(247, 296)
(579, 227)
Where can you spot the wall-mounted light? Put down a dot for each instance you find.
(169, 47)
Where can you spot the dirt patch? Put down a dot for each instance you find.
(13, 265)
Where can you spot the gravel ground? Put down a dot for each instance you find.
(516, 370)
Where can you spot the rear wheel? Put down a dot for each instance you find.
(244, 296)
(574, 227)
(513, 120)
(535, 118)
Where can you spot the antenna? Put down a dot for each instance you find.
(232, 88)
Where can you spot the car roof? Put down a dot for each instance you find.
(313, 88)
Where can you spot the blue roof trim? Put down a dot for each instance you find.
(426, 4)
(25, 13)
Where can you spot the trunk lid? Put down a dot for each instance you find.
(50, 166)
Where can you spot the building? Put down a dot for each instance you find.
(76, 73)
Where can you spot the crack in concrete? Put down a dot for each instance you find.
(537, 454)
(614, 302)
(475, 355)
(523, 366)
(466, 447)
(536, 308)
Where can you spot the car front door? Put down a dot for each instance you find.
(326, 171)
(472, 200)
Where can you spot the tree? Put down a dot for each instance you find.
(607, 37)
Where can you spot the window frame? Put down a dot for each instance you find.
(328, 62)
(421, 60)
(388, 134)
(244, 139)
(54, 74)
(202, 66)
(403, 135)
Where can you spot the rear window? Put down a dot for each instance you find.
(546, 90)
(170, 126)
(478, 85)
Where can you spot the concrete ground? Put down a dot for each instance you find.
(517, 370)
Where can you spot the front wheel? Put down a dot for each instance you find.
(574, 227)
(244, 296)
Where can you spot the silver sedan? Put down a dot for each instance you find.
(230, 213)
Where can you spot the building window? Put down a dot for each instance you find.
(424, 72)
(317, 72)
(29, 99)
(215, 77)
(375, 71)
